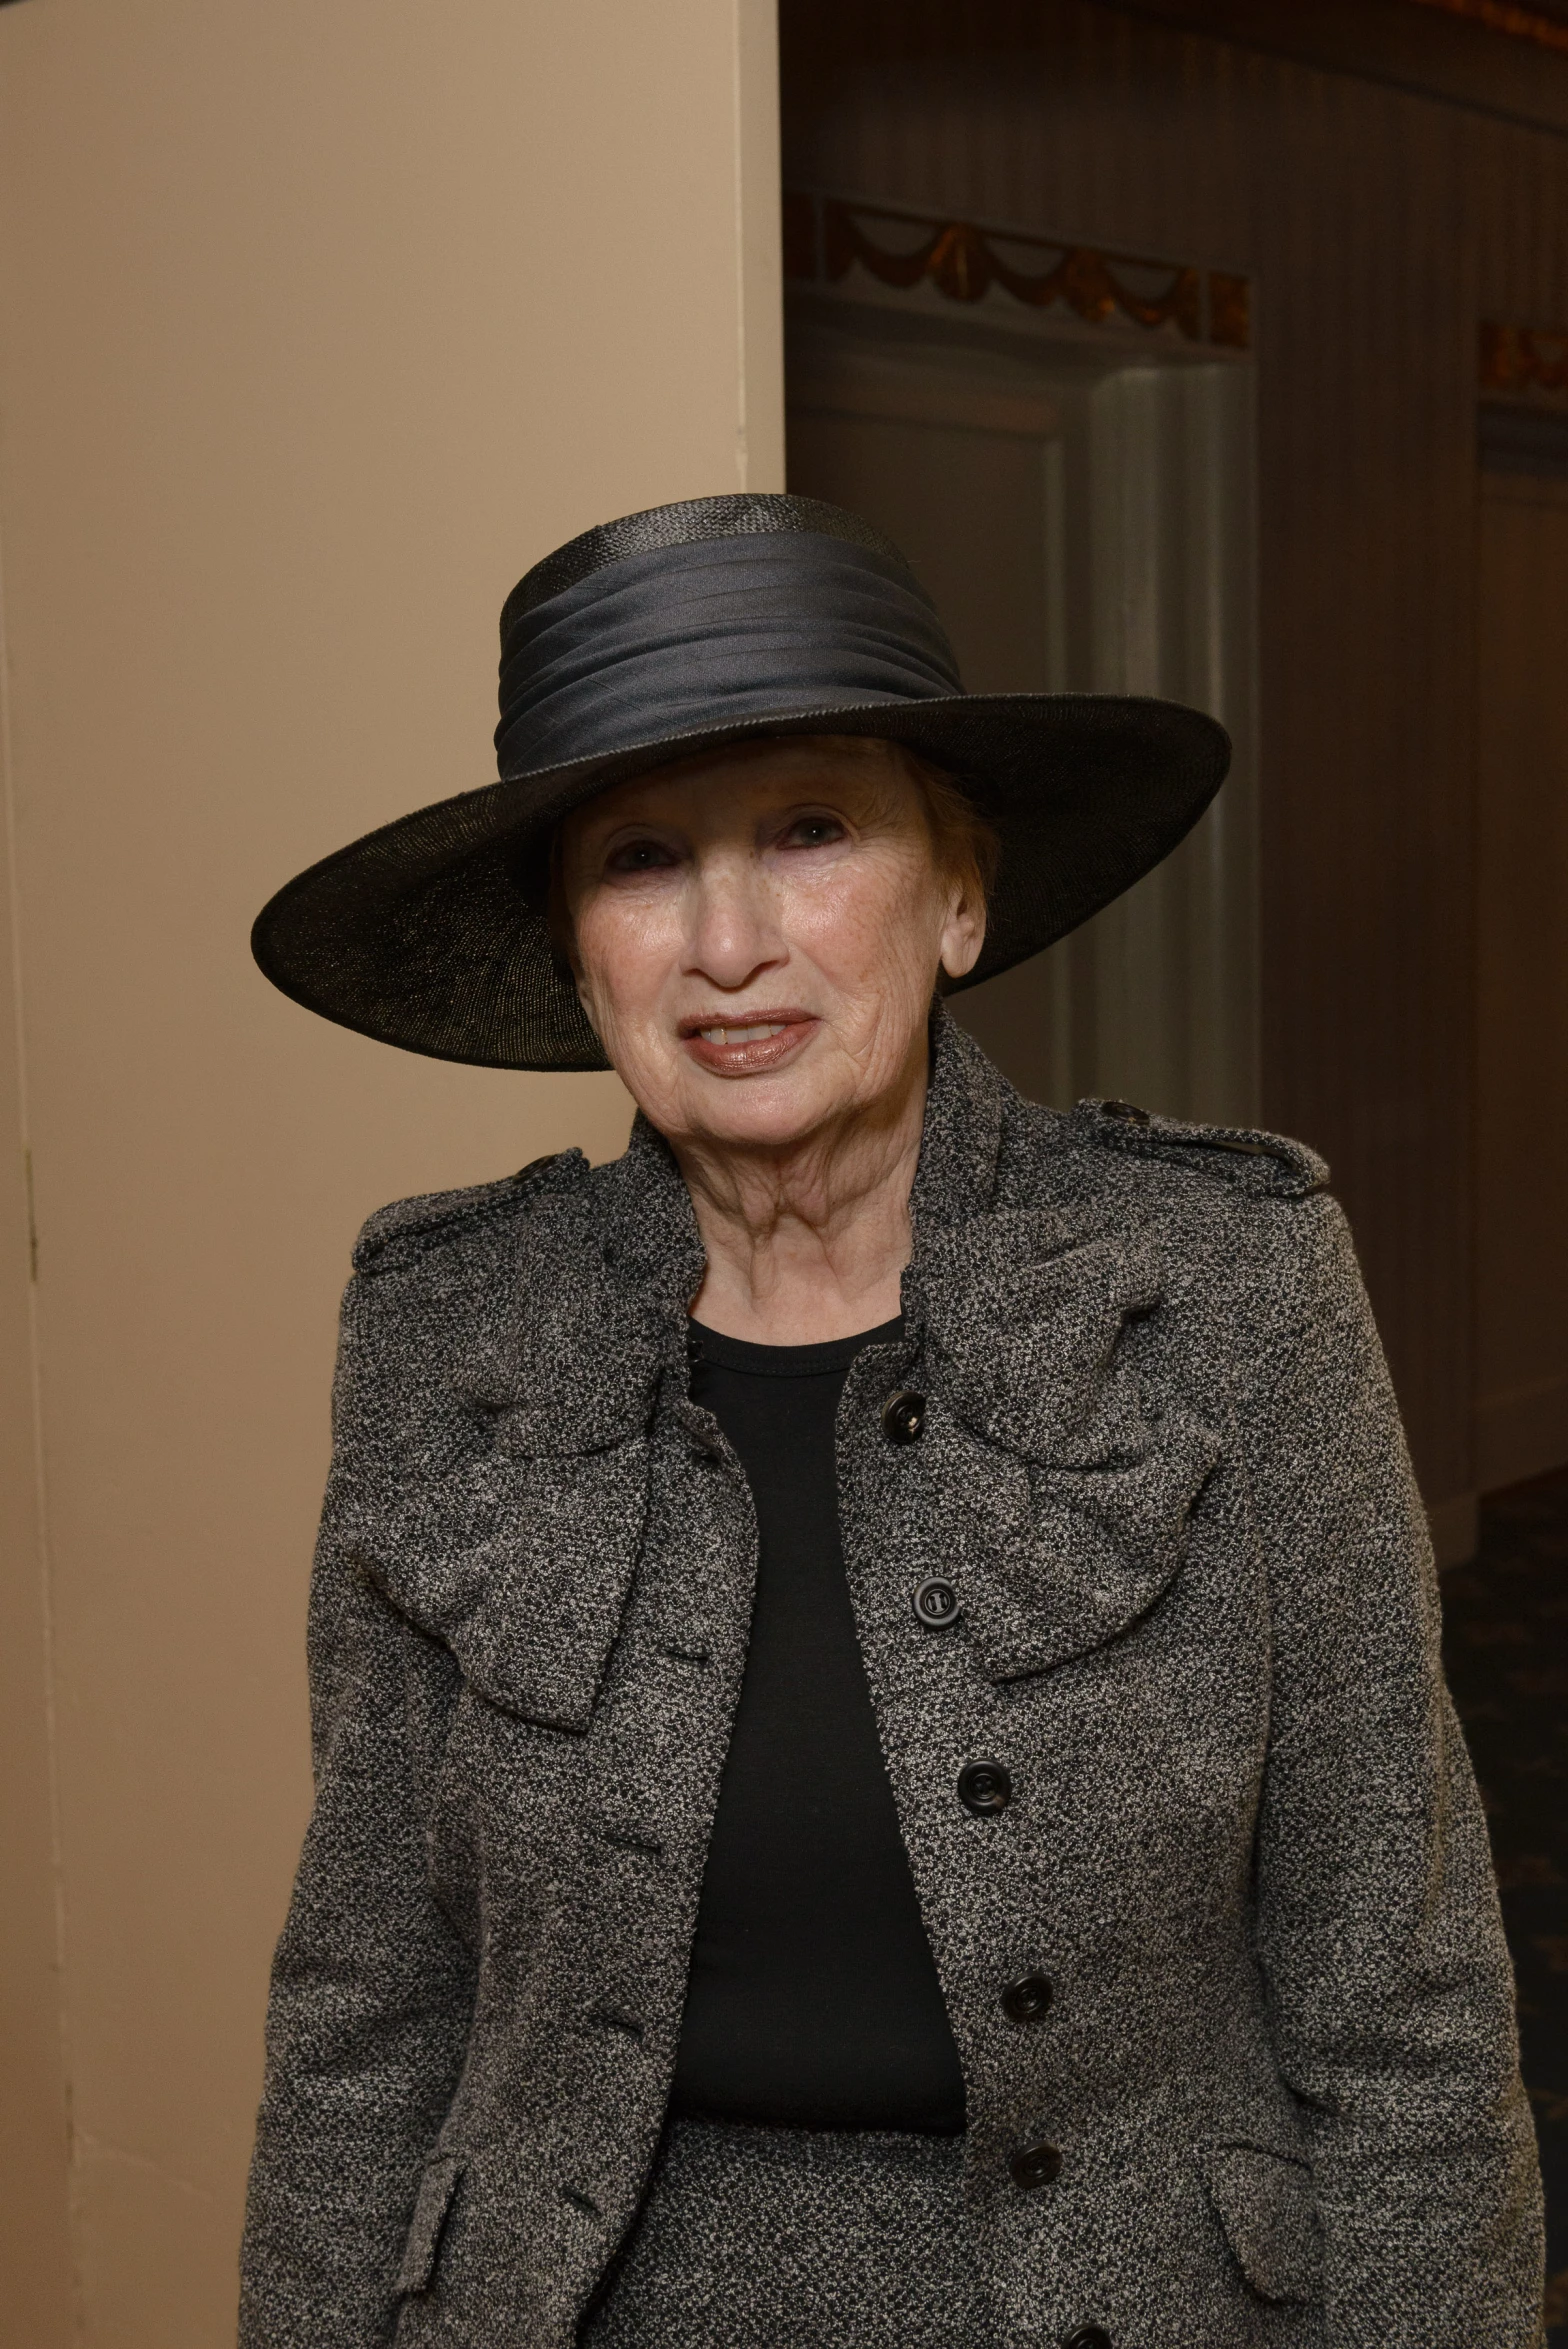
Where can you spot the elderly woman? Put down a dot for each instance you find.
(882, 1769)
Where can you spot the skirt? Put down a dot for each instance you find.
(761, 2238)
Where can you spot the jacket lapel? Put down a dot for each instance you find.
(1071, 1476)
(521, 1567)
(1060, 1561)
(518, 1552)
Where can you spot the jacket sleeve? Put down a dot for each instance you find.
(1379, 1929)
(372, 1985)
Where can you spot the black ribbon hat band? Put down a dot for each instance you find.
(710, 635)
(675, 631)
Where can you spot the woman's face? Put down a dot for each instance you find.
(757, 934)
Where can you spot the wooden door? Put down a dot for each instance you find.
(1080, 529)
(968, 497)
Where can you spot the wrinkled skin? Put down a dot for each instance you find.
(791, 891)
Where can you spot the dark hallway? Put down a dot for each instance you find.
(1507, 1647)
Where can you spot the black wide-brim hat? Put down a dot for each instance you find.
(680, 630)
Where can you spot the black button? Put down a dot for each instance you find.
(935, 1603)
(1089, 2337)
(1128, 1111)
(904, 1417)
(1036, 2165)
(1026, 2001)
(984, 1788)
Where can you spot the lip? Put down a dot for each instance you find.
(795, 1029)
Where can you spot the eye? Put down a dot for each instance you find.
(817, 831)
(639, 856)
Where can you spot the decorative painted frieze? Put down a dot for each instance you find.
(1523, 362)
(826, 238)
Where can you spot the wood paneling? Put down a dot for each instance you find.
(1522, 1125)
(1378, 227)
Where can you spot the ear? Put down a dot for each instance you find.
(963, 932)
(580, 982)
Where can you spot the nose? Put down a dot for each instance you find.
(733, 935)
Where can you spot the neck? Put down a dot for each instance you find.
(807, 1241)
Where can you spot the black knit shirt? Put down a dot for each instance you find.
(813, 2000)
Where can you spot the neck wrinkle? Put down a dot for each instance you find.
(832, 1206)
(652, 1239)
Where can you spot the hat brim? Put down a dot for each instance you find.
(423, 934)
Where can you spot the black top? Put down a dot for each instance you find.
(813, 2000)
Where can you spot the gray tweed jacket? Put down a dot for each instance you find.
(1199, 1628)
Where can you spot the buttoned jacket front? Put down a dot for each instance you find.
(1161, 1468)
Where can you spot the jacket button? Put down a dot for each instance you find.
(1027, 2001)
(935, 1603)
(904, 1417)
(984, 1788)
(1036, 2165)
(1128, 1111)
(1089, 2337)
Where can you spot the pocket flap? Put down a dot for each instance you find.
(1266, 2206)
(436, 2189)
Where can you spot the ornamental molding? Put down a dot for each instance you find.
(1524, 362)
(826, 237)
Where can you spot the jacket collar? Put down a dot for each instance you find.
(595, 1311)
(961, 1145)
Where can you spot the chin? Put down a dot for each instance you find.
(766, 1112)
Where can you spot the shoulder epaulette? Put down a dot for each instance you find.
(1268, 1165)
(443, 1212)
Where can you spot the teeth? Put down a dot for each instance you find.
(743, 1035)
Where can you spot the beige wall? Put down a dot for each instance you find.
(318, 323)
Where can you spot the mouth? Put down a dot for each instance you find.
(730, 1047)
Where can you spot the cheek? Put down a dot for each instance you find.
(877, 929)
(627, 951)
